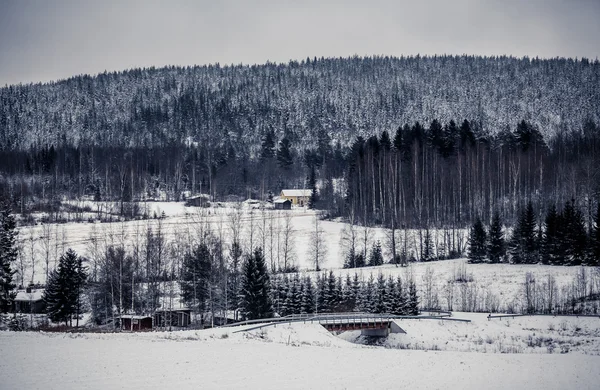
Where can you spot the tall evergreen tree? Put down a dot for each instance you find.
(312, 185)
(293, 300)
(574, 237)
(63, 290)
(551, 249)
(8, 256)
(413, 299)
(381, 300)
(427, 253)
(268, 145)
(524, 243)
(496, 247)
(308, 297)
(255, 296)
(284, 154)
(195, 277)
(376, 257)
(477, 242)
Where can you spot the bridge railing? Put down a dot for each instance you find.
(342, 319)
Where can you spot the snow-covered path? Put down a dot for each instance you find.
(60, 361)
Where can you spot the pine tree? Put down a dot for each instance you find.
(496, 246)
(376, 257)
(63, 290)
(255, 299)
(427, 253)
(8, 256)
(312, 184)
(284, 154)
(524, 243)
(364, 302)
(195, 277)
(268, 145)
(330, 296)
(308, 297)
(413, 300)
(477, 242)
(574, 237)
(399, 302)
(550, 246)
(381, 295)
(293, 299)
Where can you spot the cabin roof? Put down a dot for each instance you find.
(296, 192)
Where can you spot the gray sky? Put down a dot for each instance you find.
(51, 39)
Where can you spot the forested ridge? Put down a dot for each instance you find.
(344, 97)
(411, 141)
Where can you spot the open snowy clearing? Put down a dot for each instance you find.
(498, 282)
(286, 356)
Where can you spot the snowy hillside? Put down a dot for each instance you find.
(343, 97)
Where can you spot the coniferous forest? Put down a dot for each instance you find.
(508, 147)
(425, 142)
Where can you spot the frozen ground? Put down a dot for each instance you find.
(527, 334)
(289, 356)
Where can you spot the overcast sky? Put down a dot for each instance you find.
(52, 39)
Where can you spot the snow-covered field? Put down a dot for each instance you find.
(500, 283)
(291, 356)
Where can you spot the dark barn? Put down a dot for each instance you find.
(179, 318)
(282, 204)
(139, 322)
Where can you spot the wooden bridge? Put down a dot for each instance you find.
(369, 324)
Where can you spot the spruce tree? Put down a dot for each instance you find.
(477, 242)
(524, 243)
(427, 253)
(284, 154)
(312, 185)
(330, 298)
(64, 288)
(551, 249)
(268, 145)
(496, 246)
(293, 300)
(255, 296)
(308, 297)
(413, 299)
(400, 302)
(195, 277)
(381, 296)
(574, 237)
(8, 256)
(376, 257)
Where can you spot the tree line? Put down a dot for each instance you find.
(560, 238)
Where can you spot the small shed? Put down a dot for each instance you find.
(139, 323)
(282, 204)
(180, 318)
(200, 200)
(30, 300)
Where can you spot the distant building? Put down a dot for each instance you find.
(139, 323)
(282, 204)
(30, 301)
(297, 197)
(179, 318)
(201, 200)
